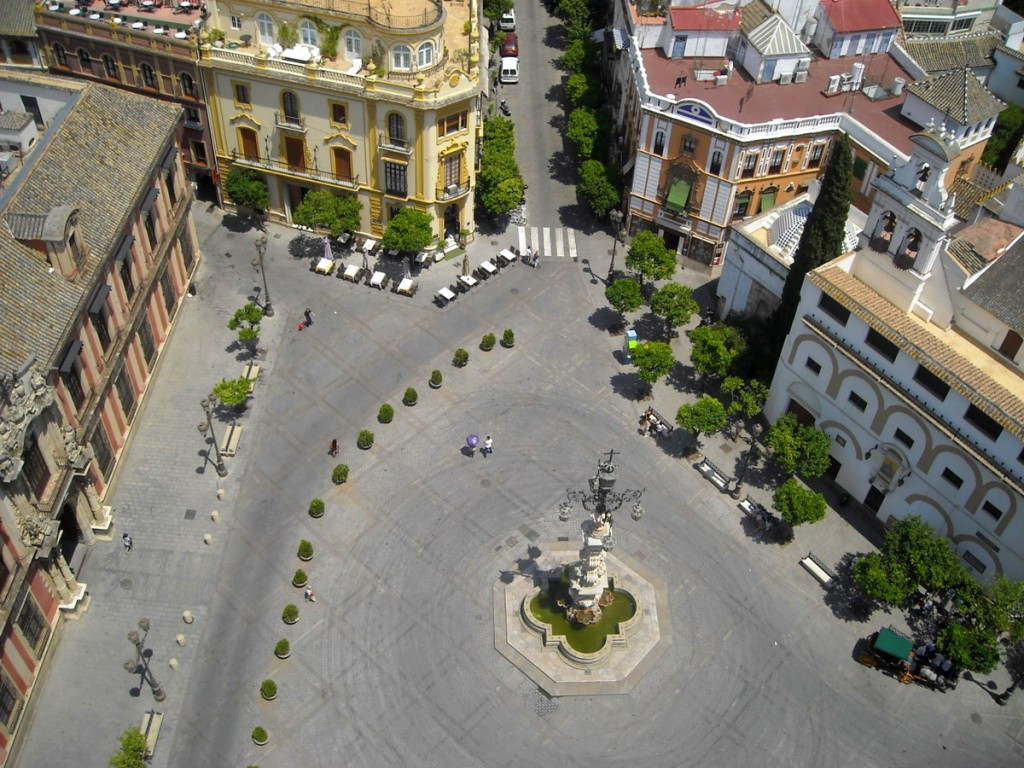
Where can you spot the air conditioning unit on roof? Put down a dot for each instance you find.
(833, 85)
(800, 77)
(803, 65)
(786, 78)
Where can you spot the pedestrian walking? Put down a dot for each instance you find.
(309, 316)
(310, 595)
(488, 446)
(333, 448)
(127, 541)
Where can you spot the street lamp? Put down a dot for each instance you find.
(261, 249)
(616, 216)
(207, 404)
(140, 656)
(755, 433)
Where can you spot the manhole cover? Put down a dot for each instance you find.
(190, 514)
(228, 255)
(126, 584)
(976, 718)
(532, 535)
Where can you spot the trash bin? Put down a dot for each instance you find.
(629, 345)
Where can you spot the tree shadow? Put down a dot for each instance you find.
(306, 247)
(562, 167)
(846, 600)
(606, 319)
(681, 378)
(853, 513)
(238, 224)
(627, 384)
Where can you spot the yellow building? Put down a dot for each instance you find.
(380, 101)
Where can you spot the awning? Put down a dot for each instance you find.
(124, 248)
(72, 355)
(168, 160)
(148, 201)
(620, 40)
(678, 195)
(893, 644)
(99, 300)
(767, 201)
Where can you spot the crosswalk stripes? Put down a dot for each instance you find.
(559, 242)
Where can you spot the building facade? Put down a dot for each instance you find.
(381, 103)
(98, 249)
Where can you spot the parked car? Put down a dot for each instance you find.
(508, 72)
(507, 22)
(510, 48)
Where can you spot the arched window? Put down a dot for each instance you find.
(716, 163)
(290, 106)
(401, 57)
(265, 28)
(84, 58)
(148, 76)
(882, 238)
(188, 84)
(60, 55)
(307, 32)
(425, 55)
(110, 67)
(353, 44)
(906, 257)
(659, 142)
(396, 130)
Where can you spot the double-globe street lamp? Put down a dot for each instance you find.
(620, 234)
(142, 658)
(207, 404)
(257, 264)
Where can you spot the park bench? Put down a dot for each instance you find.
(662, 427)
(814, 566)
(251, 371)
(151, 722)
(714, 474)
(232, 437)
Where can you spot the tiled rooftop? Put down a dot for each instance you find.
(17, 18)
(998, 289)
(959, 95)
(745, 101)
(706, 19)
(861, 15)
(940, 54)
(14, 121)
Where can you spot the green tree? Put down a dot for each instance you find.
(233, 392)
(674, 303)
(409, 230)
(577, 88)
(575, 56)
(321, 209)
(582, 130)
(247, 322)
(928, 557)
(493, 9)
(597, 189)
(974, 648)
(649, 256)
(881, 579)
(705, 417)
(1006, 135)
(823, 235)
(653, 360)
(804, 450)
(624, 296)
(499, 183)
(247, 188)
(714, 349)
(797, 504)
(1007, 599)
(746, 397)
(132, 753)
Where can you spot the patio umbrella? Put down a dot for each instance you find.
(406, 271)
(366, 259)
(472, 441)
(328, 253)
(465, 264)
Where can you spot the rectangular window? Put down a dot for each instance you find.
(150, 224)
(742, 204)
(834, 309)
(983, 422)
(146, 340)
(126, 276)
(860, 167)
(169, 183)
(188, 256)
(126, 392)
(689, 145)
(992, 509)
(858, 402)
(242, 95)
(952, 478)
(974, 562)
(73, 382)
(395, 179)
(749, 166)
(962, 25)
(36, 470)
(931, 382)
(167, 290)
(102, 451)
(453, 123)
(5, 577)
(33, 625)
(192, 118)
(236, 22)
(776, 164)
(451, 170)
(814, 160)
(11, 702)
(904, 438)
(813, 365)
(339, 113)
(198, 150)
(882, 345)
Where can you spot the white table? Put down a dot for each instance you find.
(352, 273)
(447, 294)
(489, 268)
(379, 280)
(159, 31)
(468, 280)
(370, 246)
(75, 12)
(181, 35)
(506, 254)
(325, 265)
(421, 257)
(407, 286)
(138, 25)
(95, 16)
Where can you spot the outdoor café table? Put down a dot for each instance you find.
(370, 246)
(447, 294)
(181, 35)
(379, 280)
(95, 16)
(488, 268)
(421, 257)
(468, 280)
(507, 256)
(407, 287)
(75, 12)
(138, 25)
(324, 265)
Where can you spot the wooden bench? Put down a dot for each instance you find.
(151, 722)
(749, 507)
(662, 426)
(825, 575)
(251, 371)
(714, 474)
(232, 437)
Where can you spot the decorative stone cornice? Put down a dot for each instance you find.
(25, 401)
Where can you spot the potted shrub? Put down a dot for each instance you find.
(300, 578)
(461, 358)
(487, 342)
(435, 379)
(385, 414)
(316, 508)
(365, 439)
(305, 551)
(508, 339)
(268, 690)
(290, 614)
(340, 474)
(283, 649)
(410, 397)
(260, 736)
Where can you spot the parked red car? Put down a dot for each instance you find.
(511, 45)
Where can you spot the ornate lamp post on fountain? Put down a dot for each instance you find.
(141, 657)
(588, 577)
(257, 263)
(620, 234)
(207, 404)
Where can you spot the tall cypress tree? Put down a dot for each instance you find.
(823, 235)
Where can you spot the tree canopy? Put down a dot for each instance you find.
(653, 360)
(706, 417)
(233, 391)
(247, 322)
(674, 303)
(746, 397)
(597, 188)
(499, 183)
(649, 256)
(247, 188)
(132, 753)
(493, 9)
(408, 231)
(714, 348)
(797, 504)
(321, 209)
(624, 295)
(804, 450)
(581, 130)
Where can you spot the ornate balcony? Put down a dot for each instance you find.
(295, 123)
(279, 166)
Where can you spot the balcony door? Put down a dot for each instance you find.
(250, 147)
(295, 151)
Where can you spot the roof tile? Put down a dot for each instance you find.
(959, 95)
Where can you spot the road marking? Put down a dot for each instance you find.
(570, 236)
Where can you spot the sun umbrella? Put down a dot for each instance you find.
(465, 264)
(406, 271)
(328, 253)
(366, 259)
(472, 441)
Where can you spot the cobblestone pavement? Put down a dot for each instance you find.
(394, 665)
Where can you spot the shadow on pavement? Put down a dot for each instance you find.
(846, 600)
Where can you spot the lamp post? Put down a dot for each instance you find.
(257, 263)
(207, 404)
(141, 657)
(616, 216)
(755, 433)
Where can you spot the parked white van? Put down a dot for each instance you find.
(508, 71)
(507, 21)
